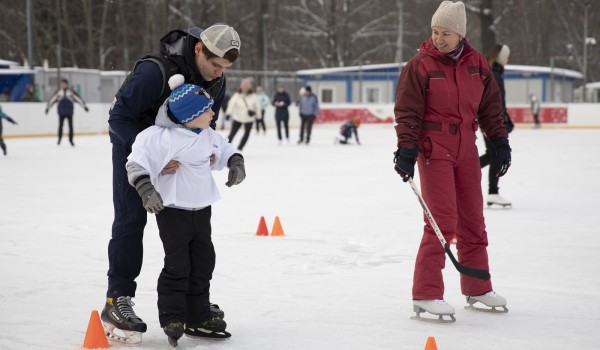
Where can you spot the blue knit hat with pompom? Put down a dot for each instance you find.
(187, 101)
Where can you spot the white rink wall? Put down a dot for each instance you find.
(33, 122)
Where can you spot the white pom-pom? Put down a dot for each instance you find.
(176, 81)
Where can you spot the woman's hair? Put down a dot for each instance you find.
(250, 91)
(492, 54)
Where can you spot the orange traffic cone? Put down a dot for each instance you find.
(277, 229)
(431, 344)
(95, 337)
(262, 227)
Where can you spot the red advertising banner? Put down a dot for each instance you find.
(548, 115)
(330, 115)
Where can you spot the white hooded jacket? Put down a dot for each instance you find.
(240, 103)
(192, 186)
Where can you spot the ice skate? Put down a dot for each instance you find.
(216, 310)
(174, 331)
(491, 299)
(496, 199)
(212, 328)
(435, 307)
(119, 315)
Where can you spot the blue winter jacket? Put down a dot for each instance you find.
(140, 93)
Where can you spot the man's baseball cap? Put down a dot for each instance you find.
(218, 38)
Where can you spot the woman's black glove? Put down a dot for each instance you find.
(405, 159)
(503, 157)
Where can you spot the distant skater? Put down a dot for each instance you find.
(347, 129)
(65, 96)
(9, 119)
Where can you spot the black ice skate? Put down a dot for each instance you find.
(215, 310)
(119, 315)
(174, 331)
(211, 328)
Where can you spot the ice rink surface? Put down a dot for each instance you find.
(341, 276)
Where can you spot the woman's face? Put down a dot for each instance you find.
(444, 39)
(245, 85)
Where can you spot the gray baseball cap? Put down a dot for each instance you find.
(218, 38)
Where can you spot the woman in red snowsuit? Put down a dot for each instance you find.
(439, 93)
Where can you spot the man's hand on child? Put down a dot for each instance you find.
(171, 167)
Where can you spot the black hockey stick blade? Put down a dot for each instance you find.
(465, 270)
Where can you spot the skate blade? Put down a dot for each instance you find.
(491, 309)
(492, 205)
(123, 337)
(209, 335)
(440, 320)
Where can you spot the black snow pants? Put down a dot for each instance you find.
(184, 282)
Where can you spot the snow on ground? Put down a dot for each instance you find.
(341, 277)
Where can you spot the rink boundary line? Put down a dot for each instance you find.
(520, 127)
(91, 133)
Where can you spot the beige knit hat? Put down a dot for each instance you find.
(451, 15)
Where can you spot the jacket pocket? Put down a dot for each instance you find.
(426, 148)
(437, 93)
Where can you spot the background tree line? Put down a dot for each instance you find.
(288, 35)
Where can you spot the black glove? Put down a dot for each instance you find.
(503, 158)
(508, 123)
(405, 159)
(237, 171)
(150, 198)
(46, 110)
(86, 108)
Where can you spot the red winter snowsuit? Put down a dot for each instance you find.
(437, 100)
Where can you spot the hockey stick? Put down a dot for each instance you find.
(469, 271)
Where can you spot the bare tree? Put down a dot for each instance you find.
(294, 34)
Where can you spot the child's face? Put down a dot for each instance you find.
(202, 122)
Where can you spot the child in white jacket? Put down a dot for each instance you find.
(182, 204)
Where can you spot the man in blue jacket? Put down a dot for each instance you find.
(309, 109)
(201, 56)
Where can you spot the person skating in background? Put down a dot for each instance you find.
(497, 58)
(347, 129)
(438, 98)
(8, 119)
(244, 108)
(29, 95)
(535, 110)
(309, 109)
(202, 56)
(227, 117)
(182, 202)
(65, 96)
(5, 95)
(264, 101)
(281, 101)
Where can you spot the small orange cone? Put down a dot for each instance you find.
(95, 337)
(431, 344)
(277, 229)
(262, 227)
